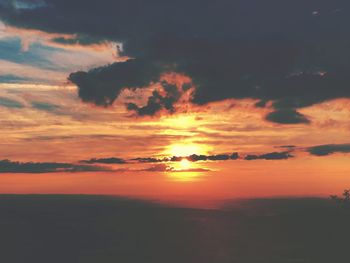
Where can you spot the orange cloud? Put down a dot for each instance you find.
(29, 36)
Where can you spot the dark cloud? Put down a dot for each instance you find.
(9, 103)
(112, 160)
(219, 157)
(161, 167)
(175, 159)
(103, 85)
(157, 101)
(7, 166)
(234, 156)
(327, 149)
(287, 116)
(84, 40)
(161, 162)
(44, 106)
(28, 4)
(274, 51)
(148, 160)
(195, 158)
(269, 156)
(158, 160)
(167, 168)
(191, 158)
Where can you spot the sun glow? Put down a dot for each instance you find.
(185, 164)
(184, 150)
(181, 121)
(184, 172)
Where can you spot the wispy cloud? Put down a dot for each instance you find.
(112, 160)
(7, 166)
(36, 51)
(10, 103)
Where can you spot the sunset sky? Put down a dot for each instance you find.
(163, 99)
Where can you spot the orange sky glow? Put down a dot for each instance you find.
(44, 120)
(70, 134)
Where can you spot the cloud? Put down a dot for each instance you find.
(148, 160)
(274, 51)
(219, 157)
(269, 156)
(7, 166)
(29, 38)
(103, 85)
(167, 168)
(157, 102)
(191, 158)
(44, 106)
(161, 164)
(158, 168)
(287, 116)
(62, 53)
(112, 160)
(33, 4)
(327, 149)
(10, 103)
(9, 78)
(30, 72)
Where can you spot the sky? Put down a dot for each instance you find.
(175, 99)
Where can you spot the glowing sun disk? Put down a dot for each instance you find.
(185, 164)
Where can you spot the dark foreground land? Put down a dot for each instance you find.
(90, 229)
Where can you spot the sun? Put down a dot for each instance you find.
(185, 164)
(184, 150)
